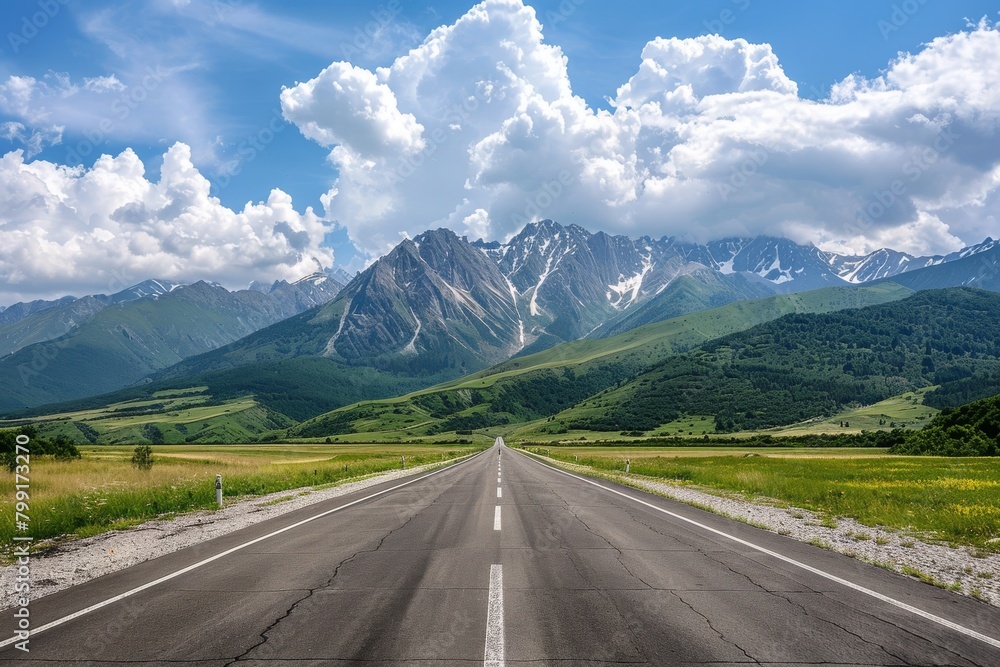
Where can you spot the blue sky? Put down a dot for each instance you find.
(209, 73)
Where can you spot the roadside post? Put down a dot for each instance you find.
(218, 490)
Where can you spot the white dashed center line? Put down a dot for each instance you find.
(496, 519)
(499, 492)
(494, 619)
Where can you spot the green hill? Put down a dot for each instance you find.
(806, 365)
(124, 342)
(543, 384)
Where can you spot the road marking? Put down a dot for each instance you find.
(951, 625)
(195, 566)
(499, 492)
(494, 620)
(496, 519)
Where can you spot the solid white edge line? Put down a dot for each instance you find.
(951, 625)
(194, 566)
(496, 519)
(494, 654)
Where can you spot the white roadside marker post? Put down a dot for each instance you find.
(628, 466)
(402, 462)
(218, 490)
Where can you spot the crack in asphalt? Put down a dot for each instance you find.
(965, 661)
(708, 622)
(617, 551)
(807, 613)
(708, 555)
(636, 639)
(637, 642)
(264, 634)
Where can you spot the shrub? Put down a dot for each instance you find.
(142, 457)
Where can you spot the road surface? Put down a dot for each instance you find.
(502, 560)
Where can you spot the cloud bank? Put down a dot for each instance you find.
(74, 230)
(478, 129)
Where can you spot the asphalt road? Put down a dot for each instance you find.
(503, 560)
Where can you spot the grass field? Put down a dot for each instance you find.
(103, 491)
(956, 500)
(173, 416)
(903, 411)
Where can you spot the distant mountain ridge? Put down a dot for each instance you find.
(81, 347)
(572, 283)
(438, 306)
(38, 321)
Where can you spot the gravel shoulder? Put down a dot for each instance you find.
(967, 571)
(70, 562)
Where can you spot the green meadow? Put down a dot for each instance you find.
(104, 491)
(955, 500)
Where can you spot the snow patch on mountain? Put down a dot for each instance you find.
(513, 300)
(533, 308)
(330, 345)
(411, 347)
(629, 286)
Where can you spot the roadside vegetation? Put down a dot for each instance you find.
(103, 490)
(59, 448)
(956, 500)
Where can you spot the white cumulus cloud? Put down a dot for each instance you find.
(478, 128)
(66, 230)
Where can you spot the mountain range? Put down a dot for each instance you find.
(71, 348)
(434, 308)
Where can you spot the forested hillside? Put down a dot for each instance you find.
(971, 430)
(802, 366)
